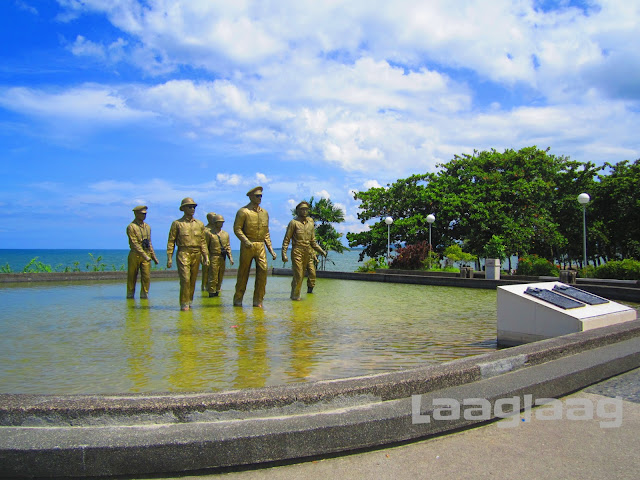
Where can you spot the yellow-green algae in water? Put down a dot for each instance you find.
(86, 338)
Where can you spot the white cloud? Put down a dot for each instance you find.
(23, 5)
(261, 178)
(84, 47)
(229, 179)
(371, 184)
(98, 104)
(393, 89)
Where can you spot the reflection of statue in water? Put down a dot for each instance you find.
(301, 233)
(251, 226)
(188, 234)
(141, 253)
(205, 270)
(219, 249)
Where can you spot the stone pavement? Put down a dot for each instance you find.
(531, 449)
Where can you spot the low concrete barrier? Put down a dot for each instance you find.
(613, 290)
(88, 276)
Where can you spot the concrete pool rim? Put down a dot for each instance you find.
(127, 434)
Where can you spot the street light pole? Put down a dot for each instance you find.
(583, 199)
(430, 219)
(388, 221)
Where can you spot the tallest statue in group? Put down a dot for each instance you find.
(251, 226)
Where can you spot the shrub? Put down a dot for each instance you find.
(432, 261)
(411, 257)
(536, 266)
(587, 272)
(371, 265)
(622, 270)
(36, 265)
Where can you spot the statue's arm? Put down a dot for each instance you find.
(227, 247)
(238, 225)
(171, 243)
(285, 241)
(267, 241)
(151, 250)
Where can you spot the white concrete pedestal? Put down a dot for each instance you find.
(523, 318)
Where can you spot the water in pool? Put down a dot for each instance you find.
(87, 338)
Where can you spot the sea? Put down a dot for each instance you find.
(60, 260)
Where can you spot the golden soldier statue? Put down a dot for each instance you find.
(188, 234)
(205, 271)
(219, 249)
(141, 253)
(301, 233)
(251, 226)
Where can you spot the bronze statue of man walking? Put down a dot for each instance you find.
(141, 253)
(301, 233)
(251, 226)
(219, 249)
(188, 234)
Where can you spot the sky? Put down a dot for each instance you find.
(109, 104)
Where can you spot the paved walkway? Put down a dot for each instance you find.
(531, 449)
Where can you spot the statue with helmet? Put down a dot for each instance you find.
(205, 270)
(251, 226)
(188, 235)
(140, 254)
(219, 250)
(301, 233)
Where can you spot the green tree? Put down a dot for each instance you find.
(613, 220)
(527, 197)
(506, 194)
(454, 254)
(473, 197)
(326, 213)
(573, 179)
(408, 202)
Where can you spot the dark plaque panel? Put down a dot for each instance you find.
(580, 295)
(554, 298)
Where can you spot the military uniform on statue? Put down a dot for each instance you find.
(187, 234)
(205, 270)
(141, 253)
(251, 226)
(301, 233)
(219, 249)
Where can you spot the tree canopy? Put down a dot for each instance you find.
(526, 197)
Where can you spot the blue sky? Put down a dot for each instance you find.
(107, 104)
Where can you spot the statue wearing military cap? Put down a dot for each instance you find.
(301, 233)
(140, 254)
(187, 233)
(219, 249)
(251, 226)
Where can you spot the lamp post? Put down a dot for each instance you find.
(430, 219)
(388, 221)
(583, 199)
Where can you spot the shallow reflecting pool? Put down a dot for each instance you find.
(87, 338)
